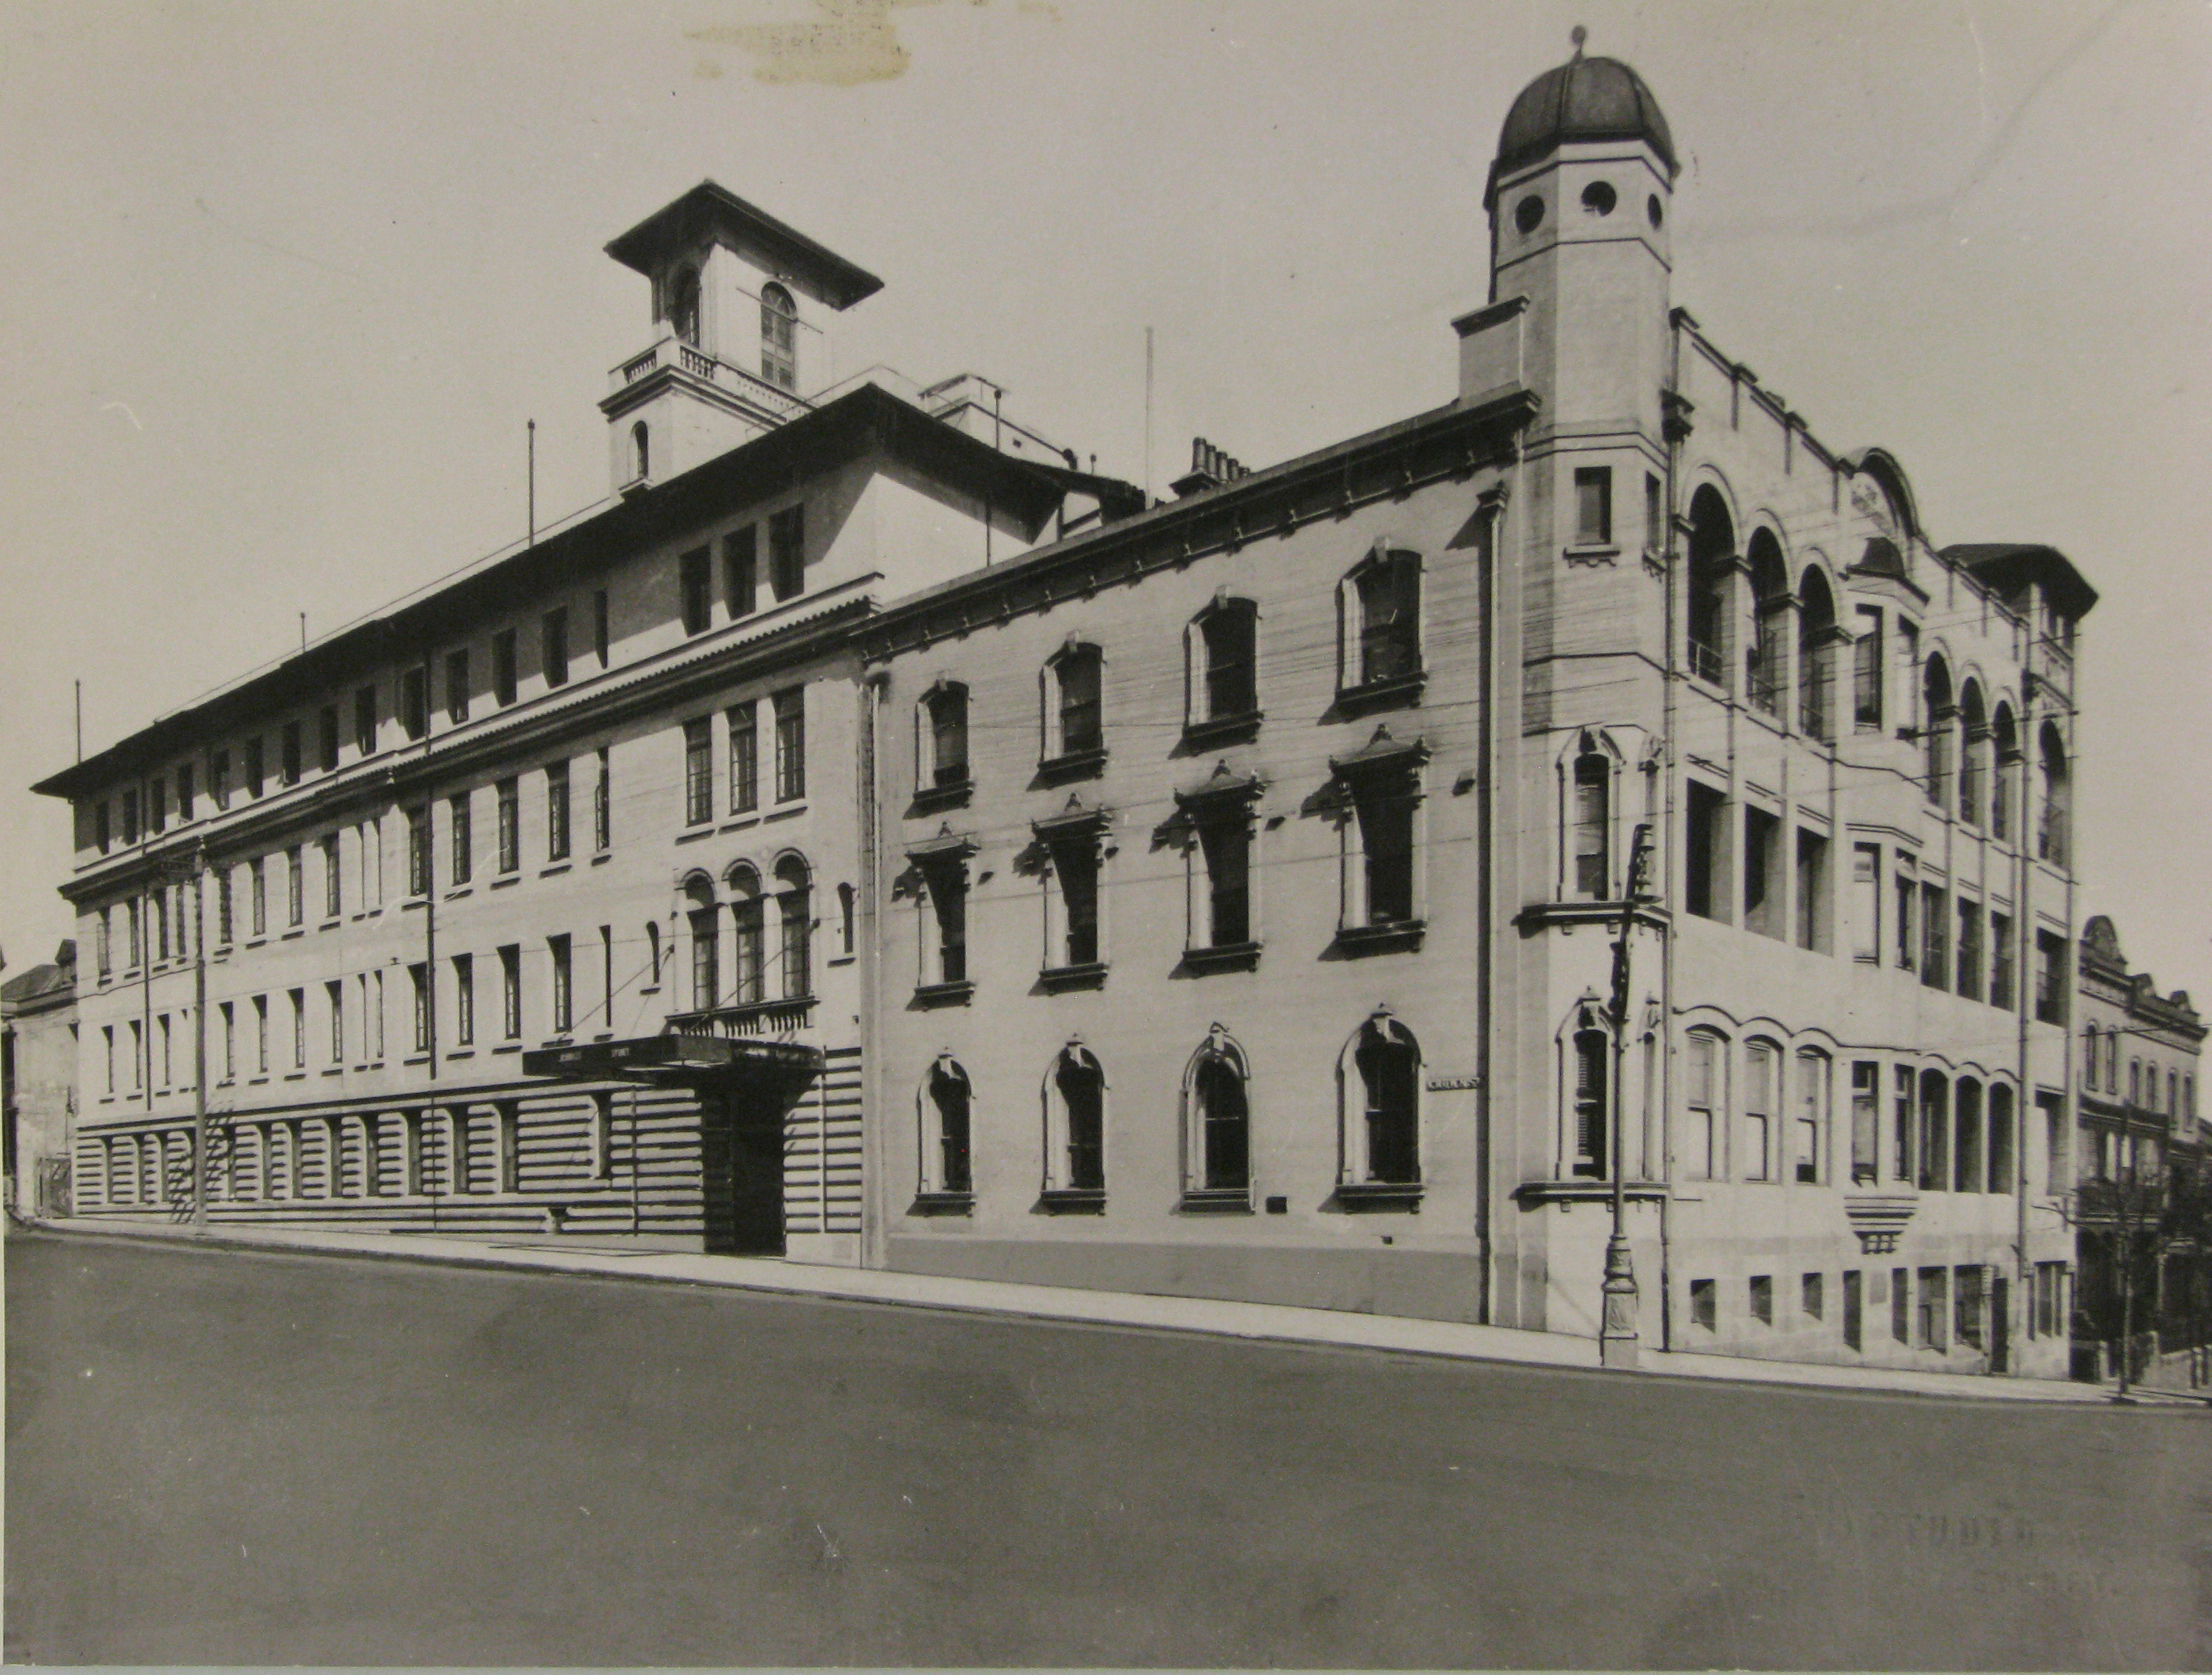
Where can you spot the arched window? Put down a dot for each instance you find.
(749, 913)
(1809, 1133)
(706, 944)
(2051, 835)
(2002, 1164)
(1705, 1099)
(845, 904)
(1593, 1113)
(1382, 1077)
(653, 948)
(1817, 639)
(1592, 879)
(1934, 1131)
(1221, 1118)
(1074, 721)
(1762, 1067)
(947, 1104)
(1936, 718)
(1075, 1123)
(778, 337)
(1973, 777)
(1966, 1161)
(1769, 603)
(795, 909)
(2089, 1060)
(2004, 740)
(683, 306)
(1712, 563)
(943, 736)
(640, 451)
(1224, 684)
(1385, 602)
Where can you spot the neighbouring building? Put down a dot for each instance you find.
(874, 838)
(38, 1082)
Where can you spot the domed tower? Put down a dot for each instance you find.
(1580, 197)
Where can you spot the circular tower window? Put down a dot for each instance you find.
(1651, 209)
(1528, 213)
(1599, 198)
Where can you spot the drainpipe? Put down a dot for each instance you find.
(1672, 889)
(2023, 992)
(1491, 502)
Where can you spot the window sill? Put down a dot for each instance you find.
(335, 1070)
(1360, 1197)
(603, 857)
(741, 820)
(416, 1058)
(1073, 764)
(1590, 552)
(556, 868)
(460, 1052)
(1215, 1201)
(1357, 941)
(254, 943)
(931, 995)
(261, 1080)
(333, 922)
(840, 959)
(296, 931)
(1223, 729)
(460, 890)
(509, 1047)
(413, 904)
(929, 799)
(1222, 957)
(294, 1075)
(1073, 1201)
(1090, 975)
(692, 834)
(786, 812)
(506, 883)
(942, 1203)
(1399, 692)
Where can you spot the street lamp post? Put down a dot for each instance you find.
(1617, 1332)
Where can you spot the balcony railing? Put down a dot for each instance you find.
(754, 1021)
(673, 354)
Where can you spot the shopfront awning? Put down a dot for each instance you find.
(675, 1058)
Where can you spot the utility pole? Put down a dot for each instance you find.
(1617, 1335)
(200, 1162)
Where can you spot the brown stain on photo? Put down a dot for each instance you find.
(846, 43)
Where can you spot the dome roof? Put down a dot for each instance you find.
(1583, 99)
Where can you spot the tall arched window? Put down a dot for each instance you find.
(2004, 741)
(683, 306)
(1973, 716)
(1075, 722)
(1769, 603)
(706, 945)
(948, 1101)
(1075, 1137)
(2002, 1163)
(1381, 1143)
(1817, 640)
(1712, 563)
(1934, 1131)
(1593, 1081)
(1592, 879)
(778, 337)
(749, 911)
(640, 451)
(944, 736)
(1809, 1133)
(1966, 1162)
(2051, 835)
(1385, 602)
(795, 909)
(1225, 685)
(1937, 719)
(1225, 1124)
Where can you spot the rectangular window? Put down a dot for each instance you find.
(1225, 845)
(564, 1003)
(1762, 891)
(707, 957)
(787, 551)
(257, 895)
(698, 772)
(418, 977)
(948, 901)
(1970, 950)
(104, 942)
(157, 804)
(1866, 672)
(1866, 1122)
(556, 811)
(1907, 720)
(510, 990)
(1703, 1311)
(790, 744)
(101, 836)
(1759, 1090)
(414, 703)
(599, 627)
(503, 679)
(697, 601)
(1854, 1310)
(168, 1073)
(744, 757)
(1593, 827)
(1081, 718)
(130, 815)
(510, 825)
(1866, 902)
(1702, 1085)
(2049, 977)
(1075, 874)
(1704, 845)
(794, 908)
(1934, 1133)
(261, 1035)
(464, 999)
(1813, 1296)
(1594, 506)
(299, 999)
(333, 878)
(364, 721)
(1905, 1162)
(327, 738)
(288, 760)
(748, 914)
(295, 887)
(1385, 806)
(137, 1056)
(161, 900)
(137, 944)
(418, 852)
(2049, 1316)
(1811, 891)
(1932, 1328)
(1900, 1304)
(741, 571)
(457, 686)
(464, 838)
(185, 789)
(229, 1041)
(334, 998)
(603, 807)
(1654, 528)
(553, 645)
(218, 785)
(254, 777)
(1812, 1118)
(1762, 1299)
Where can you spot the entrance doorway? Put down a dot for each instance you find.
(741, 1169)
(2001, 1325)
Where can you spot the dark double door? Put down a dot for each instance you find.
(741, 1164)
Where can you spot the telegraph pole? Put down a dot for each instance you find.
(1617, 1335)
(200, 1162)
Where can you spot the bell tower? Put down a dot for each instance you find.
(743, 318)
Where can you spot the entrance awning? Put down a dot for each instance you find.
(675, 1058)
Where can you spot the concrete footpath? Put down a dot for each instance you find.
(1259, 1322)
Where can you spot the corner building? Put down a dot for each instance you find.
(1251, 871)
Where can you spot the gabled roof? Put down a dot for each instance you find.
(42, 983)
(709, 208)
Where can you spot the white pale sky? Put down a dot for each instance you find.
(280, 284)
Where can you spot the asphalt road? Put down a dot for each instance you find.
(223, 1458)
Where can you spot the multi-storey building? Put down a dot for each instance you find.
(1341, 885)
(38, 1082)
(532, 903)
(1253, 870)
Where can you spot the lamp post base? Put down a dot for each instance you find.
(1617, 1336)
